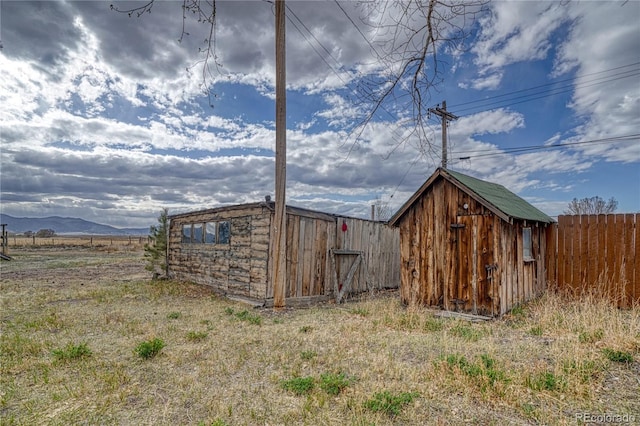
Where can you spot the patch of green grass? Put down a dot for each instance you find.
(48, 322)
(71, 351)
(590, 337)
(585, 370)
(229, 310)
(305, 329)
(536, 331)
(484, 372)
(150, 348)
(249, 317)
(467, 332)
(545, 380)
(518, 311)
(307, 355)
(390, 403)
(363, 312)
(333, 384)
(174, 315)
(17, 346)
(196, 336)
(299, 385)
(433, 325)
(617, 356)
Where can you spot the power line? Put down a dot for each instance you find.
(515, 150)
(545, 85)
(358, 29)
(317, 41)
(548, 93)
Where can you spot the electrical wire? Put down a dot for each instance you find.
(523, 149)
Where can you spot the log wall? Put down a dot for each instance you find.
(238, 268)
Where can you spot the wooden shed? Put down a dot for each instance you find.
(470, 245)
(328, 256)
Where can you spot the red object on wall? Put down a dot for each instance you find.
(344, 226)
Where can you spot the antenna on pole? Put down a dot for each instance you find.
(444, 116)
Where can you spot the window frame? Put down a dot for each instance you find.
(187, 239)
(527, 246)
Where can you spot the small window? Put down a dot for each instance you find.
(197, 233)
(210, 233)
(217, 232)
(186, 233)
(224, 232)
(527, 246)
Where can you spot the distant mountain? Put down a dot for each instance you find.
(65, 225)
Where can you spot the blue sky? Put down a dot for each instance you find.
(101, 120)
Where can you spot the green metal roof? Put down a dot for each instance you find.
(501, 198)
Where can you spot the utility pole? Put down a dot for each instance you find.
(279, 224)
(444, 116)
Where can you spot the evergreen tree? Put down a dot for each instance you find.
(155, 251)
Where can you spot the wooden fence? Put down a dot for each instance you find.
(597, 253)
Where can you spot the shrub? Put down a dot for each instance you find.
(545, 380)
(617, 356)
(150, 348)
(155, 251)
(299, 385)
(389, 403)
(72, 351)
(333, 384)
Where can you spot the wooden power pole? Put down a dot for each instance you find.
(279, 224)
(444, 116)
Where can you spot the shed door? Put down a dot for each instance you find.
(474, 257)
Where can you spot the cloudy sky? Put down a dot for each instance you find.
(104, 115)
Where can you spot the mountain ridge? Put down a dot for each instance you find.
(65, 225)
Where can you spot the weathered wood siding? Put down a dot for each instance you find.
(379, 245)
(598, 254)
(242, 268)
(238, 268)
(309, 239)
(467, 258)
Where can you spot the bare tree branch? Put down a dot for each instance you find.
(410, 35)
(593, 205)
(203, 12)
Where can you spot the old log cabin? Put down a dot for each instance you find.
(328, 256)
(470, 245)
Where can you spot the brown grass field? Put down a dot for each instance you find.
(76, 321)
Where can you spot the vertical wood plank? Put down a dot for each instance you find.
(519, 265)
(592, 252)
(601, 231)
(635, 295)
(612, 249)
(628, 261)
(576, 275)
(319, 258)
(441, 243)
(292, 254)
(620, 250)
(496, 282)
(563, 251)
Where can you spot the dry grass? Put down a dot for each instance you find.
(227, 364)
